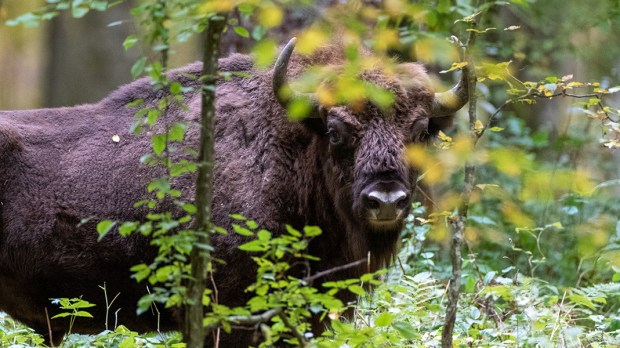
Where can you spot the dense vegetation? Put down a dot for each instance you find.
(541, 253)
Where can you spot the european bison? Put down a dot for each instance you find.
(342, 169)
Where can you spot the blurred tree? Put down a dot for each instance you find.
(20, 59)
(85, 59)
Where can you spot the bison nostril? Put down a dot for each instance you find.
(402, 203)
(387, 205)
(372, 203)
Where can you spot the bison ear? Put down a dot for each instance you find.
(315, 125)
(437, 124)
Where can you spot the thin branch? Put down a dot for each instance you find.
(492, 118)
(426, 196)
(457, 222)
(47, 316)
(312, 278)
(246, 320)
(300, 338)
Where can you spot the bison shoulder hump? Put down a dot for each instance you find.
(236, 62)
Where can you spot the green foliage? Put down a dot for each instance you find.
(13, 334)
(501, 308)
(292, 301)
(75, 307)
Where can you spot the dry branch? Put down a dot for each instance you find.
(457, 222)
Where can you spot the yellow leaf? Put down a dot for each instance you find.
(455, 66)
(270, 16)
(394, 7)
(444, 137)
(310, 40)
(385, 39)
(210, 6)
(481, 31)
(431, 169)
(478, 127)
(326, 95)
(433, 50)
(471, 235)
(510, 161)
(515, 215)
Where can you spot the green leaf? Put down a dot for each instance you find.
(238, 217)
(242, 231)
(28, 20)
(251, 224)
(220, 230)
(130, 41)
(356, 289)
(82, 314)
(312, 231)
(79, 11)
(405, 329)
(127, 228)
(158, 142)
(177, 131)
(264, 235)
(384, 319)
(264, 52)
(241, 31)
(162, 274)
(581, 300)
(190, 208)
(138, 67)
(292, 231)
(298, 109)
(99, 5)
(141, 271)
(503, 291)
(103, 227)
(496, 129)
(61, 315)
(254, 245)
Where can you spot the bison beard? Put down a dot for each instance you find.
(343, 171)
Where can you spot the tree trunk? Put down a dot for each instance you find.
(86, 59)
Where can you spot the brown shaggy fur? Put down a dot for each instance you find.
(59, 166)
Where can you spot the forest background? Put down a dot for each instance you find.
(542, 242)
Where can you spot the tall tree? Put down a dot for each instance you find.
(85, 57)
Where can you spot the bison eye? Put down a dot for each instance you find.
(419, 130)
(335, 138)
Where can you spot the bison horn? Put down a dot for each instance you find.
(281, 88)
(451, 101)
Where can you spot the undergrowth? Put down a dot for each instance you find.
(497, 309)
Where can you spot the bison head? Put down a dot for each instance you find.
(365, 164)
